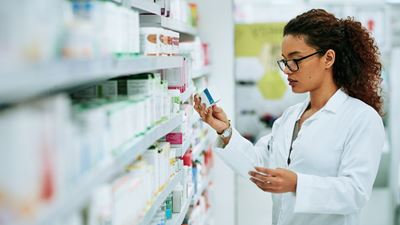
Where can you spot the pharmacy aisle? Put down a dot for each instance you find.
(96, 114)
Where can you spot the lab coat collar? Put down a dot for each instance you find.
(333, 103)
(336, 101)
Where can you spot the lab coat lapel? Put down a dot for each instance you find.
(291, 121)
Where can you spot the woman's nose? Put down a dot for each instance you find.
(287, 71)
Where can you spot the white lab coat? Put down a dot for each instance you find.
(335, 156)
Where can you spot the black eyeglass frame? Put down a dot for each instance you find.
(285, 62)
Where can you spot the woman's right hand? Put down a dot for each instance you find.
(213, 116)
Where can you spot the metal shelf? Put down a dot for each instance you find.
(184, 29)
(160, 199)
(205, 71)
(145, 6)
(81, 192)
(199, 148)
(183, 148)
(178, 26)
(117, 1)
(45, 78)
(136, 147)
(186, 95)
(204, 144)
(177, 218)
(195, 118)
(207, 217)
(202, 188)
(202, 219)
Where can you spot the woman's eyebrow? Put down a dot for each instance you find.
(291, 54)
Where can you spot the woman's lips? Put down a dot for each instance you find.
(292, 82)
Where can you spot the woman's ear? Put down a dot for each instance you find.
(329, 58)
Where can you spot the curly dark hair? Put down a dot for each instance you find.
(357, 67)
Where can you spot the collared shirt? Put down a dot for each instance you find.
(336, 157)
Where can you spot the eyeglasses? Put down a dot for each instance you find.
(293, 64)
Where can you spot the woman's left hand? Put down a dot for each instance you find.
(274, 180)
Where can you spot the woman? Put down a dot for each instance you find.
(322, 157)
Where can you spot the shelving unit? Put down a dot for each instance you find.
(203, 219)
(205, 71)
(202, 188)
(145, 6)
(186, 31)
(195, 117)
(199, 148)
(46, 78)
(136, 147)
(178, 26)
(32, 81)
(186, 95)
(184, 148)
(104, 172)
(118, 1)
(206, 217)
(177, 218)
(160, 199)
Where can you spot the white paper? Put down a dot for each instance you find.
(239, 163)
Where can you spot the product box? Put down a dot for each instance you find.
(86, 93)
(209, 96)
(129, 198)
(135, 85)
(152, 157)
(134, 32)
(100, 207)
(174, 138)
(109, 89)
(175, 79)
(150, 42)
(175, 99)
(164, 152)
(177, 199)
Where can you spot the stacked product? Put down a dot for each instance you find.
(64, 142)
(96, 28)
(180, 78)
(156, 41)
(197, 51)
